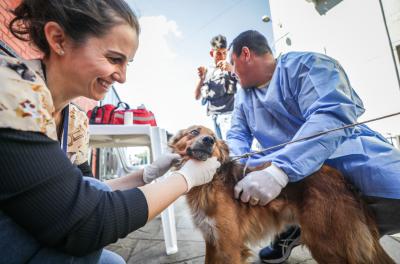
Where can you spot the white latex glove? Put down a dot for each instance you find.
(159, 167)
(261, 187)
(198, 172)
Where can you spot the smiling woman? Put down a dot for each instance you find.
(104, 33)
(45, 202)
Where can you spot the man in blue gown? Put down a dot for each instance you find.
(298, 95)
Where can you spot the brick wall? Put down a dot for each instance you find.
(22, 48)
(25, 49)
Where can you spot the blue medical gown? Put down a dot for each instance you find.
(310, 93)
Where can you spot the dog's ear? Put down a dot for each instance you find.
(223, 150)
(174, 139)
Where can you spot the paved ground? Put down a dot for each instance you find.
(146, 245)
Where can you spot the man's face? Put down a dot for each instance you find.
(218, 54)
(241, 69)
(252, 70)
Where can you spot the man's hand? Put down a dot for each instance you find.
(225, 66)
(159, 167)
(202, 71)
(199, 172)
(261, 187)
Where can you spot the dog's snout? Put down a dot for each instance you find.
(207, 140)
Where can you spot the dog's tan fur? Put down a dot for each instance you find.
(335, 224)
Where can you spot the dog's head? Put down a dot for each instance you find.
(199, 142)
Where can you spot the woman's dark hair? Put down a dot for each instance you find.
(252, 39)
(80, 19)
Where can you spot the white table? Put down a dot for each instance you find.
(139, 135)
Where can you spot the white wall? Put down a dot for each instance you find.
(352, 32)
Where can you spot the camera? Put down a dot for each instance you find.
(230, 82)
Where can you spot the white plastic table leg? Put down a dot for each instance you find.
(159, 141)
(169, 230)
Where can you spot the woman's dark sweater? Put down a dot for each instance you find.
(44, 193)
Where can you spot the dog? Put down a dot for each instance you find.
(335, 223)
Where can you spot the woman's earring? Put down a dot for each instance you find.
(61, 52)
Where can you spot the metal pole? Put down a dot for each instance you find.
(390, 42)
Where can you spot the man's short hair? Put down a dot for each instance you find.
(218, 42)
(252, 39)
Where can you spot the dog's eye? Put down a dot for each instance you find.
(194, 132)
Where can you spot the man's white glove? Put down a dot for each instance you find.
(198, 172)
(261, 187)
(159, 167)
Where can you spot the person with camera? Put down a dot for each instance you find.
(217, 87)
(49, 212)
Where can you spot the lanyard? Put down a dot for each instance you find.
(65, 113)
(64, 138)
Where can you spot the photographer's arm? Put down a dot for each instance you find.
(201, 71)
(197, 91)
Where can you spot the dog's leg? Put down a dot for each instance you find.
(340, 232)
(335, 225)
(224, 253)
(337, 234)
(230, 245)
(379, 254)
(352, 250)
(231, 252)
(323, 248)
(211, 254)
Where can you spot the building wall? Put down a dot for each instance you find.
(24, 49)
(353, 32)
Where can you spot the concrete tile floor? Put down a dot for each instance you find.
(146, 245)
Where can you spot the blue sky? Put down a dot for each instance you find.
(174, 41)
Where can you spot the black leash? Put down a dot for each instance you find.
(249, 154)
